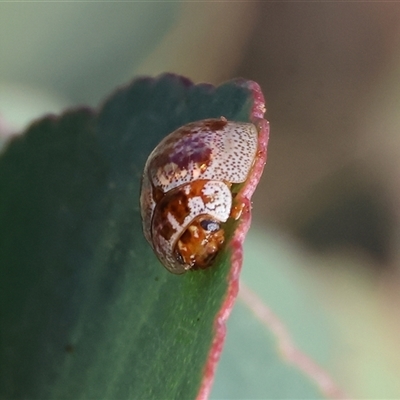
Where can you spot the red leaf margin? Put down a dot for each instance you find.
(256, 116)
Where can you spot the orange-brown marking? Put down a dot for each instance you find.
(158, 194)
(197, 247)
(237, 210)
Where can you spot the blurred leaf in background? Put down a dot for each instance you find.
(329, 71)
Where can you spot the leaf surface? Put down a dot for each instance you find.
(87, 309)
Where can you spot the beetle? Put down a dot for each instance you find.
(186, 194)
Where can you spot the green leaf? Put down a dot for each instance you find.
(87, 309)
(252, 368)
(283, 357)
